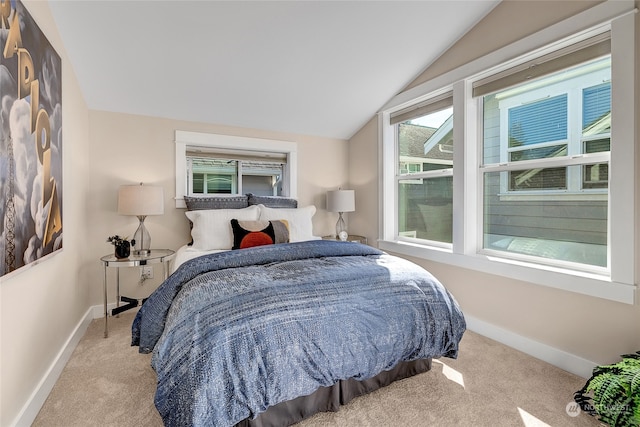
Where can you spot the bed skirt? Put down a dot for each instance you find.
(327, 399)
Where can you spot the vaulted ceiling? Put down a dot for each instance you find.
(319, 68)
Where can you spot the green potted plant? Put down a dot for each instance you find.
(612, 394)
(122, 246)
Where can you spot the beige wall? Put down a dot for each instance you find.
(590, 328)
(127, 149)
(363, 178)
(41, 305)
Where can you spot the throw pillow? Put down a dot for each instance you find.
(227, 201)
(247, 234)
(272, 201)
(211, 229)
(299, 220)
(231, 201)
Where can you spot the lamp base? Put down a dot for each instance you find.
(341, 228)
(142, 238)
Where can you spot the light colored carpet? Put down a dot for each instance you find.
(108, 383)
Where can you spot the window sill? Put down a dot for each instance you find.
(572, 281)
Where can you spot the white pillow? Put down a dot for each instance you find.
(300, 225)
(212, 227)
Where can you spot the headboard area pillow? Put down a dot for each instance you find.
(247, 234)
(232, 201)
(272, 201)
(299, 220)
(212, 227)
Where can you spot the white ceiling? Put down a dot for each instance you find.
(319, 68)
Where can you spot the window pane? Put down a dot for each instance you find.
(262, 178)
(425, 204)
(597, 146)
(425, 208)
(596, 109)
(219, 184)
(198, 183)
(214, 175)
(538, 179)
(426, 143)
(538, 153)
(538, 122)
(492, 145)
(259, 185)
(261, 168)
(539, 118)
(595, 176)
(569, 230)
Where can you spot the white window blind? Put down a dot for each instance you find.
(423, 108)
(244, 155)
(567, 57)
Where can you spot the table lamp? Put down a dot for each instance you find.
(141, 200)
(341, 201)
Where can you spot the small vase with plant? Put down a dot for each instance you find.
(612, 394)
(122, 246)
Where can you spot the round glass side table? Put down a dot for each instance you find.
(155, 256)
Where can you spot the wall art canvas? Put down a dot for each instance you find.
(30, 141)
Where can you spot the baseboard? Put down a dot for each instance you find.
(97, 311)
(33, 405)
(563, 360)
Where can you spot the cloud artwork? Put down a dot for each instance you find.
(30, 141)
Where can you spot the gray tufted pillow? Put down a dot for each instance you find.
(235, 201)
(272, 201)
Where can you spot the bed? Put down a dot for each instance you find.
(271, 334)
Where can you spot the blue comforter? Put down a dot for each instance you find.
(235, 332)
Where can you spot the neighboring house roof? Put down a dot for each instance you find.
(414, 140)
(602, 125)
(440, 144)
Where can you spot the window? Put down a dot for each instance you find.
(546, 123)
(217, 173)
(540, 180)
(225, 164)
(424, 149)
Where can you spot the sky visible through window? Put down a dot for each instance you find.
(434, 120)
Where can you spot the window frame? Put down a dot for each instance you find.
(618, 282)
(231, 143)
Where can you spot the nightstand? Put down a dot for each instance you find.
(155, 256)
(352, 238)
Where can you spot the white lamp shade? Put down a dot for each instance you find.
(140, 200)
(341, 201)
